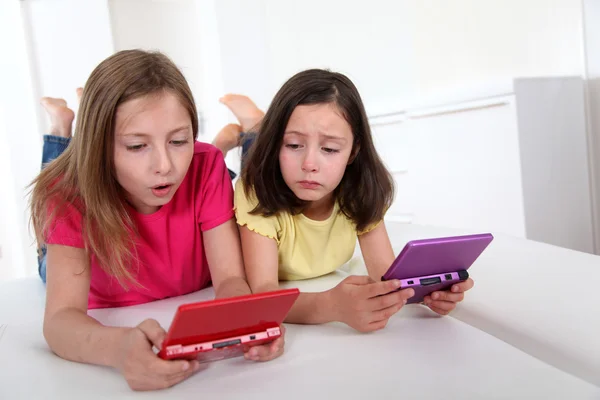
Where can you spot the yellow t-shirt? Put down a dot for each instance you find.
(307, 248)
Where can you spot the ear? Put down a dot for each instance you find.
(355, 151)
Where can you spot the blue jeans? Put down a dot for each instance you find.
(54, 147)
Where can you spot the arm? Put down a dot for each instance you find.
(75, 336)
(377, 251)
(262, 266)
(223, 252)
(378, 254)
(69, 331)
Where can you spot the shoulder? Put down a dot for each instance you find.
(244, 205)
(65, 222)
(206, 151)
(207, 163)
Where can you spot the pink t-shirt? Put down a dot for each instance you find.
(170, 245)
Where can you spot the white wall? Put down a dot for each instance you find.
(591, 14)
(592, 53)
(49, 48)
(169, 26)
(19, 142)
(409, 53)
(68, 38)
(243, 32)
(401, 54)
(472, 42)
(368, 41)
(7, 205)
(193, 33)
(175, 28)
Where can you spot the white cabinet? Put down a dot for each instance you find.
(466, 168)
(556, 162)
(514, 164)
(457, 167)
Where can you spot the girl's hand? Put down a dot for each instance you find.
(442, 302)
(367, 305)
(143, 369)
(269, 351)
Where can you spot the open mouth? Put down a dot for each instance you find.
(162, 190)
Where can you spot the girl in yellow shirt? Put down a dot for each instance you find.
(311, 183)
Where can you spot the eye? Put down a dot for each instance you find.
(330, 150)
(179, 142)
(136, 147)
(292, 146)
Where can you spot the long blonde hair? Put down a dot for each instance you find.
(84, 175)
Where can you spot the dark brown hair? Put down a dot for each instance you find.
(367, 188)
(84, 174)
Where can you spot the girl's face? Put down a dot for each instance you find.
(316, 148)
(154, 145)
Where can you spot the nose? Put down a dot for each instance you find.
(309, 164)
(162, 162)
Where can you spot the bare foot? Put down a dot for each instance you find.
(228, 138)
(244, 109)
(61, 117)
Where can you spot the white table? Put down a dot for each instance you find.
(539, 298)
(418, 355)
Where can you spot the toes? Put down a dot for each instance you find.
(79, 92)
(52, 102)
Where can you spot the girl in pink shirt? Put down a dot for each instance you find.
(134, 210)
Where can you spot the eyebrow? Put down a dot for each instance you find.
(181, 128)
(331, 137)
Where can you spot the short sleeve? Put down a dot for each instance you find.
(65, 228)
(369, 228)
(373, 225)
(216, 195)
(265, 226)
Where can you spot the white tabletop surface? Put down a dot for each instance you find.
(540, 298)
(417, 356)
